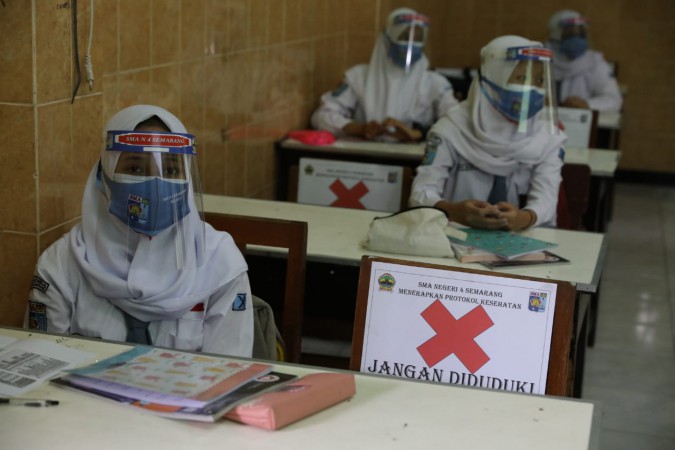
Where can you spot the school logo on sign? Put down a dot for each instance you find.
(537, 302)
(386, 282)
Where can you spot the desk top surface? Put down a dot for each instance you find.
(335, 235)
(610, 120)
(361, 147)
(385, 413)
(602, 162)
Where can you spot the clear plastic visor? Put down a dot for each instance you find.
(153, 186)
(521, 88)
(408, 34)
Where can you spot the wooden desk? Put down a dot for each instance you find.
(289, 152)
(603, 164)
(610, 120)
(385, 413)
(609, 128)
(335, 236)
(334, 252)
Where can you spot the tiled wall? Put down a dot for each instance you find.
(240, 73)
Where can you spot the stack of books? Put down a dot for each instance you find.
(174, 384)
(493, 249)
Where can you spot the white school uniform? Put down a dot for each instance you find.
(62, 300)
(473, 143)
(452, 178)
(382, 89)
(589, 77)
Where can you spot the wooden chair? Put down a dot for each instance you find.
(288, 234)
(574, 196)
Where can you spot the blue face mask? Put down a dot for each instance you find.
(511, 100)
(399, 52)
(574, 46)
(148, 206)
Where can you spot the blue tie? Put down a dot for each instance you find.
(137, 330)
(498, 192)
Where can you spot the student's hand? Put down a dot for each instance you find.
(369, 130)
(401, 131)
(575, 102)
(474, 213)
(516, 219)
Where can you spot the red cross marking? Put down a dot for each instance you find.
(348, 198)
(455, 336)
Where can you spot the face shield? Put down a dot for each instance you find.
(519, 85)
(568, 33)
(152, 183)
(406, 35)
(573, 36)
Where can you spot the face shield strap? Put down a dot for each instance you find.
(529, 54)
(573, 22)
(155, 141)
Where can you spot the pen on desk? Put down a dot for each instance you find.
(28, 402)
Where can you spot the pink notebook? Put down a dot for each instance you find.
(294, 401)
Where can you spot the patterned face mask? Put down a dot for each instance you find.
(515, 101)
(573, 46)
(148, 206)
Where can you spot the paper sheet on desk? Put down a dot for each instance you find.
(26, 363)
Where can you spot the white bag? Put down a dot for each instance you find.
(416, 231)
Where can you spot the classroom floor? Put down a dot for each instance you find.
(630, 371)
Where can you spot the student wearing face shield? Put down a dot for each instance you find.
(500, 147)
(142, 266)
(394, 97)
(582, 76)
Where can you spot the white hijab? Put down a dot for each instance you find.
(483, 136)
(135, 273)
(563, 67)
(387, 90)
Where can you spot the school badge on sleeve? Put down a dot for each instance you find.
(37, 316)
(239, 302)
(430, 149)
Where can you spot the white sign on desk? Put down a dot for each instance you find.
(458, 327)
(578, 124)
(350, 184)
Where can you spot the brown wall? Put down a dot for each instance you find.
(240, 73)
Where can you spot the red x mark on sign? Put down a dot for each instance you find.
(348, 198)
(455, 336)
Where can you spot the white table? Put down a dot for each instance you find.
(385, 413)
(610, 120)
(603, 162)
(335, 235)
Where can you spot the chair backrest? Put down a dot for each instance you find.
(289, 234)
(426, 321)
(574, 195)
(580, 125)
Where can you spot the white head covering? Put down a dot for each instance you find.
(139, 274)
(482, 135)
(556, 20)
(388, 90)
(564, 67)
